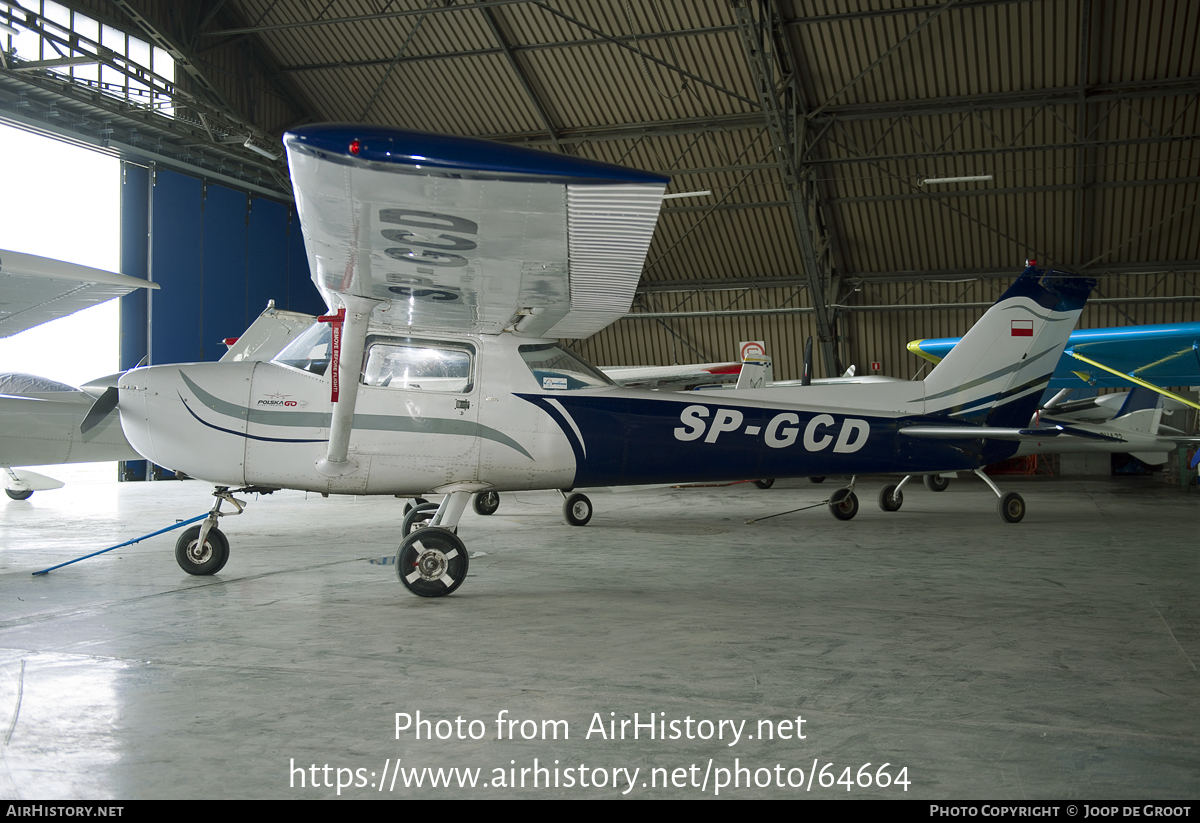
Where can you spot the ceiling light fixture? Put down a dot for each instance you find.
(259, 150)
(686, 194)
(982, 178)
(7, 29)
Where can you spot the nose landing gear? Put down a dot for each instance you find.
(204, 549)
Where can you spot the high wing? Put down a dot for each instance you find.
(35, 290)
(1165, 355)
(461, 234)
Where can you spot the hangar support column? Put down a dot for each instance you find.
(767, 53)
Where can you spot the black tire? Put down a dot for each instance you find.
(419, 501)
(765, 484)
(432, 562)
(820, 479)
(844, 506)
(21, 495)
(1012, 508)
(418, 518)
(936, 483)
(890, 498)
(209, 560)
(486, 503)
(577, 509)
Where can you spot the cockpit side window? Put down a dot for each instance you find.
(419, 365)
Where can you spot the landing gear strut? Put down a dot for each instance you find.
(204, 549)
(432, 561)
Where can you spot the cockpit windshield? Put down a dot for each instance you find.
(557, 369)
(310, 351)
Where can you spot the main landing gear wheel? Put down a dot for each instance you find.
(408, 507)
(486, 503)
(202, 560)
(577, 509)
(418, 518)
(843, 504)
(1012, 507)
(21, 495)
(891, 498)
(765, 484)
(432, 562)
(936, 483)
(816, 479)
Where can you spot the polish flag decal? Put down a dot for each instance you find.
(1022, 328)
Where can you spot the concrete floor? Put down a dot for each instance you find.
(1052, 659)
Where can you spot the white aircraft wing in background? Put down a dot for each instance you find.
(35, 290)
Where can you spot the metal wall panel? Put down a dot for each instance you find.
(219, 257)
(176, 255)
(223, 269)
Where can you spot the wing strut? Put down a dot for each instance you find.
(1135, 380)
(349, 336)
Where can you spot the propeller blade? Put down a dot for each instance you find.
(806, 377)
(104, 404)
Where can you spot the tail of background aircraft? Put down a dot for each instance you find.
(997, 372)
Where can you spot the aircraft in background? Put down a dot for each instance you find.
(449, 266)
(40, 419)
(1147, 356)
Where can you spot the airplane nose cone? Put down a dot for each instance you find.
(186, 417)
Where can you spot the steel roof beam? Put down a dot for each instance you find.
(356, 18)
(636, 131)
(542, 114)
(1043, 147)
(515, 48)
(997, 101)
(986, 192)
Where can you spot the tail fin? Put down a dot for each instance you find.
(996, 374)
(1141, 412)
(757, 372)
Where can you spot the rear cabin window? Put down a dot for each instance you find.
(557, 369)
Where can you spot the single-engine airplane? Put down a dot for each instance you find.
(40, 419)
(449, 266)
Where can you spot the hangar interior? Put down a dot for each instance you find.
(1052, 658)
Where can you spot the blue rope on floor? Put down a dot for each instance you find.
(179, 525)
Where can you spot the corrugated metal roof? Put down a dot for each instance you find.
(1085, 113)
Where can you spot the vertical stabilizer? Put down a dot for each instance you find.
(996, 374)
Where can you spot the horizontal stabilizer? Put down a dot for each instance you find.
(997, 433)
(20, 480)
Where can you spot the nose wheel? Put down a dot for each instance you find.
(432, 562)
(202, 558)
(843, 504)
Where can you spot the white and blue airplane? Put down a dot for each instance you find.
(451, 267)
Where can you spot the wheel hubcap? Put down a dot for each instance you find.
(580, 510)
(199, 554)
(432, 564)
